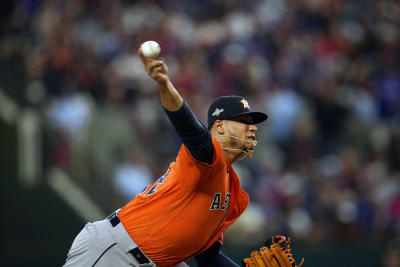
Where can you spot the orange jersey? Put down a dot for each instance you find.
(186, 210)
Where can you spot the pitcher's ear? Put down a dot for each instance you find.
(219, 127)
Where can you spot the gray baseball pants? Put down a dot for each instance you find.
(101, 244)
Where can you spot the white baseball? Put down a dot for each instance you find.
(150, 49)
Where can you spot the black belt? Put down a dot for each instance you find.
(136, 252)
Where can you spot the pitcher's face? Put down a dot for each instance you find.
(242, 132)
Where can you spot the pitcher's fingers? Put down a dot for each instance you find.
(155, 71)
(151, 64)
(142, 57)
(164, 67)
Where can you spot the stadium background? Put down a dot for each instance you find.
(82, 130)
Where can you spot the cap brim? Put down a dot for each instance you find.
(256, 116)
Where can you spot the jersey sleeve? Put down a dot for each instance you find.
(194, 135)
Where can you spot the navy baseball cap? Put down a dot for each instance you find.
(229, 107)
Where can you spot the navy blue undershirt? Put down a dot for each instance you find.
(197, 139)
(193, 133)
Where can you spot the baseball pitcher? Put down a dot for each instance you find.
(185, 212)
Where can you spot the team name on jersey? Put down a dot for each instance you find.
(216, 204)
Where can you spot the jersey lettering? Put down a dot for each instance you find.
(159, 181)
(226, 201)
(216, 204)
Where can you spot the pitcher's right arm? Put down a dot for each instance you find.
(171, 100)
(192, 132)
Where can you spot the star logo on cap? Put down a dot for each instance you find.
(245, 103)
(217, 112)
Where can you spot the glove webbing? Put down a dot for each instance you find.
(284, 244)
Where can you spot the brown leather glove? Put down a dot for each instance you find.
(275, 253)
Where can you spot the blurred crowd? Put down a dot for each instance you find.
(327, 167)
